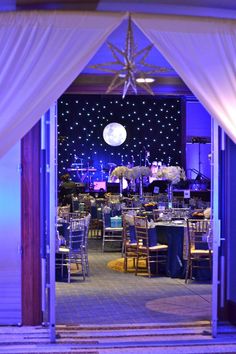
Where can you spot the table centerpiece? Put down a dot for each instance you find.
(173, 174)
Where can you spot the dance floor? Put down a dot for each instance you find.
(111, 297)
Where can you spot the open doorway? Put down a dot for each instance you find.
(110, 296)
(53, 250)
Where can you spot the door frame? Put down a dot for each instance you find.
(216, 221)
(48, 293)
(48, 216)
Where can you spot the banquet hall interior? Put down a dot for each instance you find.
(117, 159)
(104, 141)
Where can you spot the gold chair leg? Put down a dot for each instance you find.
(148, 267)
(187, 273)
(136, 268)
(68, 267)
(191, 269)
(125, 264)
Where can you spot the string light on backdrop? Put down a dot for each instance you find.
(131, 63)
(152, 124)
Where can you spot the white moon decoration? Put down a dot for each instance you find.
(114, 134)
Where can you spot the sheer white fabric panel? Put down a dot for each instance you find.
(41, 53)
(203, 52)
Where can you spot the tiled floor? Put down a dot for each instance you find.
(109, 297)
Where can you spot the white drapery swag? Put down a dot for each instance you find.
(203, 53)
(41, 53)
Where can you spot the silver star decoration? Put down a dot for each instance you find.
(131, 61)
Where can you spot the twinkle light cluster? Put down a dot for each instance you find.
(153, 128)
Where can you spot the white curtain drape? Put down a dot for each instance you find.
(41, 53)
(203, 53)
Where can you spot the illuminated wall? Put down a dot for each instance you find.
(198, 124)
(152, 124)
(10, 225)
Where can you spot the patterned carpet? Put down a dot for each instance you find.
(114, 297)
(118, 265)
(191, 306)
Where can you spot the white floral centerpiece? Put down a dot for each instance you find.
(119, 172)
(145, 171)
(172, 173)
(130, 174)
(140, 171)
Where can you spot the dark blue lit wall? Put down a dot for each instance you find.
(152, 124)
(198, 124)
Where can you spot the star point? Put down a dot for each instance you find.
(131, 61)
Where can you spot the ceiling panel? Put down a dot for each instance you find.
(165, 83)
(98, 82)
(226, 4)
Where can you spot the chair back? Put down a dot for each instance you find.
(63, 211)
(106, 217)
(128, 228)
(199, 234)
(125, 224)
(75, 204)
(76, 235)
(141, 230)
(87, 220)
(74, 215)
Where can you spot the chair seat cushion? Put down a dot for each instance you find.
(114, 228)
(128, 243)
(200, 252)
(63, 250)
(156, 248)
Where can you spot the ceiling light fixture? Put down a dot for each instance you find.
(131, 62)
(148, 80)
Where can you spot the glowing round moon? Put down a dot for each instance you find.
(114, 134)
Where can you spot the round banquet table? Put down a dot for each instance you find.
(174, 234)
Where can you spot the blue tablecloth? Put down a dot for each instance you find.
(152, 235)
(173, 236)
(94, 212)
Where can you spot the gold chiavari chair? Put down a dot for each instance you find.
(151, 254)
(199, 247)
(129, 247)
